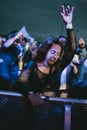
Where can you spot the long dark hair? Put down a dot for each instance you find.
(44, 48)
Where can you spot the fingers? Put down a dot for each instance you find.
(72, 9)
(66, 11)
(35, 99)
(20, 34)
(63, 9)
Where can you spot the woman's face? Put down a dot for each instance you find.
(53, 54)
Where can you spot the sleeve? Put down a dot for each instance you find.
(71, 44)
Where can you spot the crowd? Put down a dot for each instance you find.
(51, 68)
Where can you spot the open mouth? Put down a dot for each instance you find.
(82, 44)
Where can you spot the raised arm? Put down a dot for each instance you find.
(10, 41)
(67, 15)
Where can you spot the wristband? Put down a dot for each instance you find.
(69, 26)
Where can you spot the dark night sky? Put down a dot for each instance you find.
(41, 17)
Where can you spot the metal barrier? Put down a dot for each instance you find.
(72, 107)
(13, 111)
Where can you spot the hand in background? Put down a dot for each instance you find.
(19, 35)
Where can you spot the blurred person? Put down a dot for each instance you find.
(25, 55)
(9, 70)
(74, 75)
(69, 75)
(30, 54)
(83, 56)
(82, 49)
(34, 48)
(2, 40)
(25, 45)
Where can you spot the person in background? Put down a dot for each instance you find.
(2, 40)
(81, 58)
(79, 84)
(43, 78)
(74, 76)
(9, 69)
(82, 48)
(24, 47)
(64, 80)
(30, 53)
(69, 74)
(33, 48)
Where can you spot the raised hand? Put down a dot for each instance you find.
(67, 14)
(19, 35)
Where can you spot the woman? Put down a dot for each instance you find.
(44, 78)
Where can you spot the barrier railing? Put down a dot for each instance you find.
(12, 111)
(13, 106)
(68, 102)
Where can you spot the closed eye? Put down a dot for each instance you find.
(54, 52)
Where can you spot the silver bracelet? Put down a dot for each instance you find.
(69, 26)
